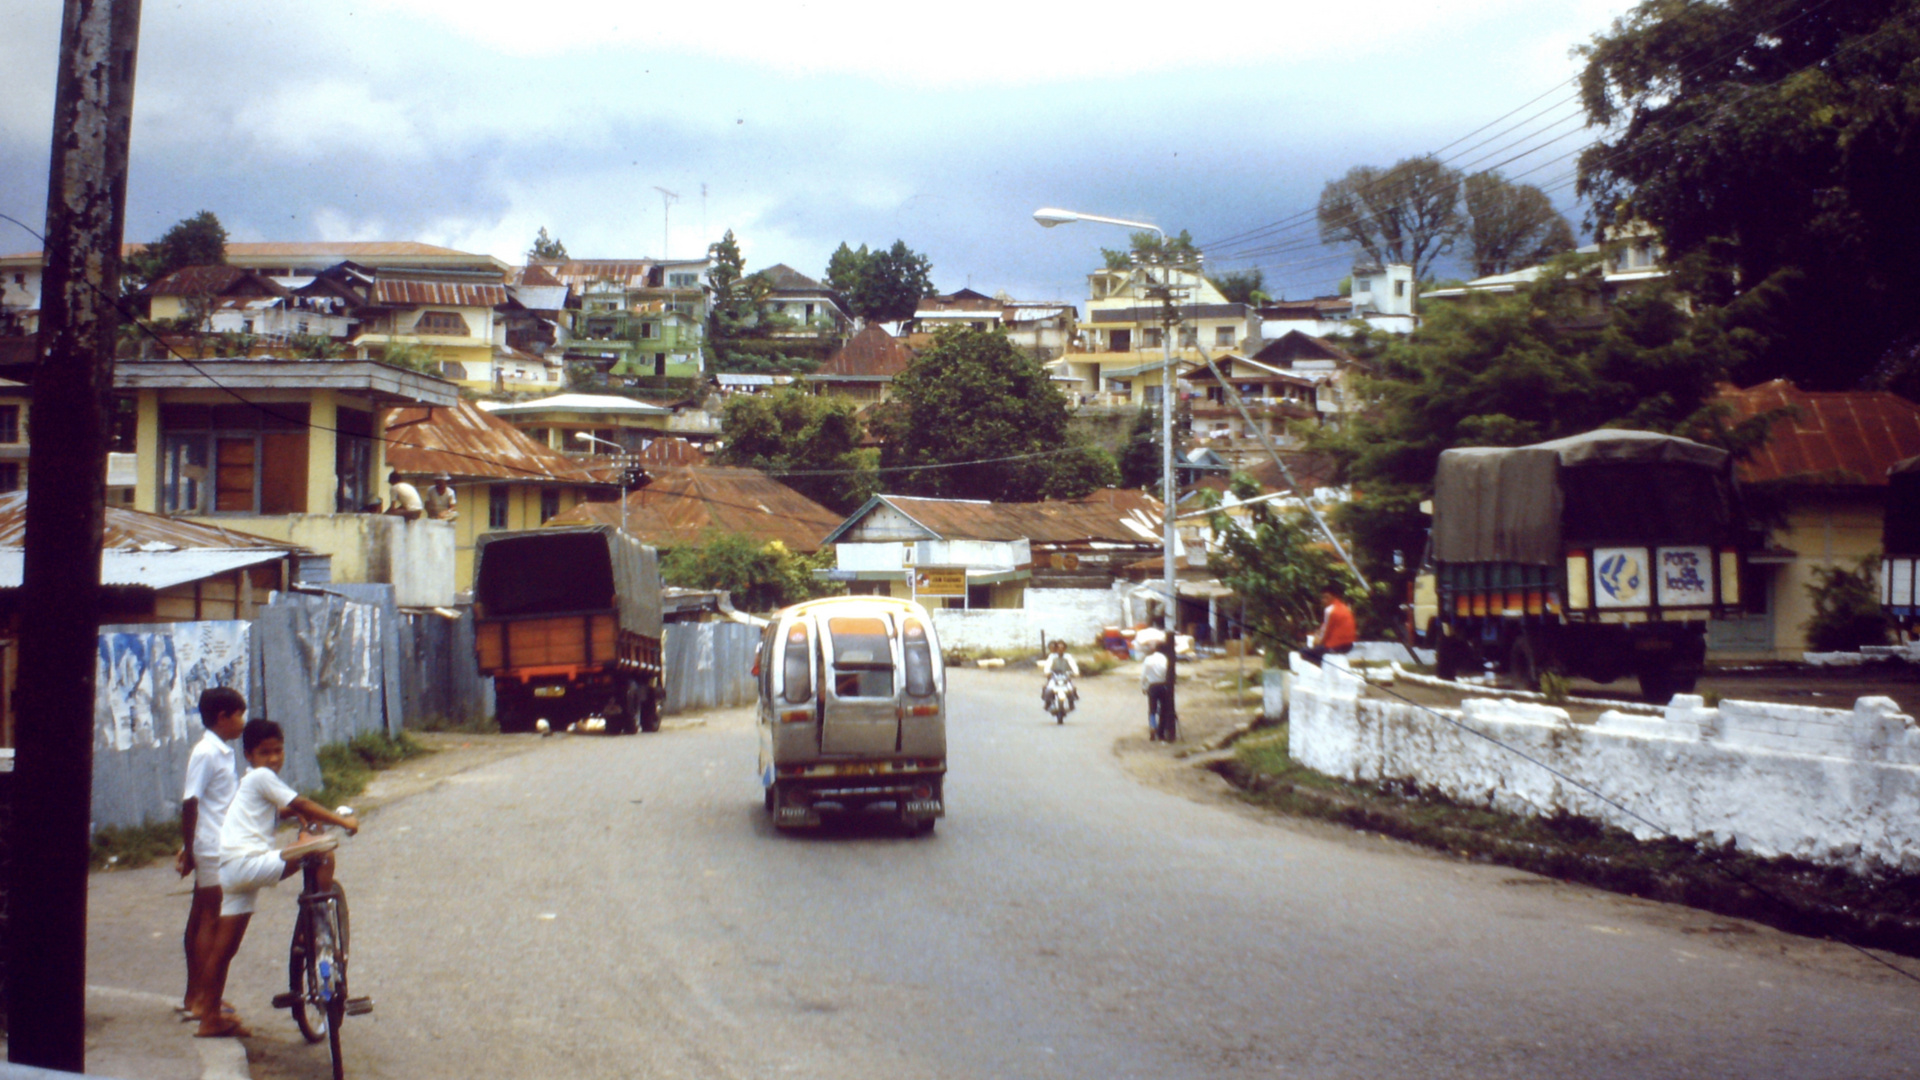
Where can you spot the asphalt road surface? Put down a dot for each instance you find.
(620, 907)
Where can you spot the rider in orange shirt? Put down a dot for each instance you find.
(1337, 633)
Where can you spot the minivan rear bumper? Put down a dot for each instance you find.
(915, 785)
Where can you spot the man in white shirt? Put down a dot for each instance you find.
(405, 501)
(211, 782)
(1153, 683)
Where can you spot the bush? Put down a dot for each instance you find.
(1846, 608)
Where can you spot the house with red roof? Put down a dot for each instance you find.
(1824, 469)
(864, 367)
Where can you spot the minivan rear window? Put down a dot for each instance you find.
(862, 658)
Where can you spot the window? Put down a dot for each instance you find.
(1150, 338)
(549, 505)
(647, 330)
(353, 460)
(683, 281)
(1189, 337)
(233, 459)
(448, 323)
(809, 312)
(9, 425)
(9, 476)
(1399, 288)
(498, 499)
(862, 658)
(1223, 336)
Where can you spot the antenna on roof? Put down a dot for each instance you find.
(666, 210)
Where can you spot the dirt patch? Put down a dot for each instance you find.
(451, 752)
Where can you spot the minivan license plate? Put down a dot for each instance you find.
(923, 806)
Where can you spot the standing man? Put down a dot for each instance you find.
(405, 498)
(1337, 633)
(1153, 683)
(440, 499)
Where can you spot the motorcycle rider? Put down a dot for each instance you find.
(1060, 662)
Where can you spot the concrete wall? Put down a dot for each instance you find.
(416, 557)
(1078, 615)
(1828, 785)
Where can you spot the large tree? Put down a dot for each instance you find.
(547, 247)
(810, 443)
(880, 285)
(1511, 225)
(1147, 246)
(196, 241)
(1772, 141)
(975, 397)
(1408, 214)
(1241, 286)
(740, 323)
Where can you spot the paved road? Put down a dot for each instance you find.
(618, 907)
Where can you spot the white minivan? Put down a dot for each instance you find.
(852, 711)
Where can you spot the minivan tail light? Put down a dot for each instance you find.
(796, 672)
(796, 716)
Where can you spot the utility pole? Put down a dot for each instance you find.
(66, 480)
(1168, 295)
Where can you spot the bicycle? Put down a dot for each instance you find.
(317, 992)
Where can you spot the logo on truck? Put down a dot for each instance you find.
(1622, 577)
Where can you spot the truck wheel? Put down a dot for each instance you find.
(773, 796)
(629, 709)
(1658, 685)
(1446, 656)
(511, 710)
(650, 710)
(1523, 666)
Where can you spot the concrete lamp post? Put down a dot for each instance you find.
(1048, 217)
(621, 459)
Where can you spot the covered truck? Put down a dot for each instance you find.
(568, 624)
(1599, 555)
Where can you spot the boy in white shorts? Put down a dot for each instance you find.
(211, 780)
(248, 860)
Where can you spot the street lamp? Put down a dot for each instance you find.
(1048, 217)
(623, 461)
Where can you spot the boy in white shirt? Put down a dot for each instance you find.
(248, 860)
(211, 781)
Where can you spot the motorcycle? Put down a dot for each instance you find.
(1059, 696)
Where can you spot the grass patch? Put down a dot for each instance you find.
(1878, 910)
(347, 768)
(479, 724)
(133, 846)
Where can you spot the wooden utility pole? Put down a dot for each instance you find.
(66, 483)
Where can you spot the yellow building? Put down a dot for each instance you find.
(502, 478)
(1824, 466)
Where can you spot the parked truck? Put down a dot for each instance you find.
(1600, 555)
(568, 625)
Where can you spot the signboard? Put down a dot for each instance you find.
(940, 581)
(1684, 577)
(1621, 578)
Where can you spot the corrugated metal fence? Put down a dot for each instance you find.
(709, 665)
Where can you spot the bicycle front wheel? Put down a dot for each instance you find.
(303, 981)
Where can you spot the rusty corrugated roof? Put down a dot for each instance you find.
(685, 504)
(1842, 438)
(468, 443)
(673, 451)
(870, 353)
(392, 290)
(130, 530)
(1110, 515)
(213, 281)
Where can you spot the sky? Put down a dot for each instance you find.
(473, 124)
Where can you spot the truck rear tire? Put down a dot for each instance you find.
(650, 709)
(629, 722)
(1523, 663)
(1447, 656)
(512, 709)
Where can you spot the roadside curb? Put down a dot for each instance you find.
(135, 1033)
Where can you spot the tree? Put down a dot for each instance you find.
(880, 286)
(1242, 286)
(196, 241)
(760, 577)
(547, 248)
(740, 325)
(1140, 459)
(1145, 246)
(1277, 565)
(1407, 214)
(1772, 142)
(975, 397)
(793, 431)
(1511, 225)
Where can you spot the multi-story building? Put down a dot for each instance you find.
(636, 318)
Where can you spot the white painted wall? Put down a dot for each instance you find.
(1829, 785)
(1078, 615)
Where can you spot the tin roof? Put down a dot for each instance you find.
(580, 403)
(1834, 438)
(467, 443)
(1294, 345)
(412, 291)
(673, 451)
(145, 550)
(1110, 515)
(786, 279)
(685, 504)
(213, 281)
(871, 352)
